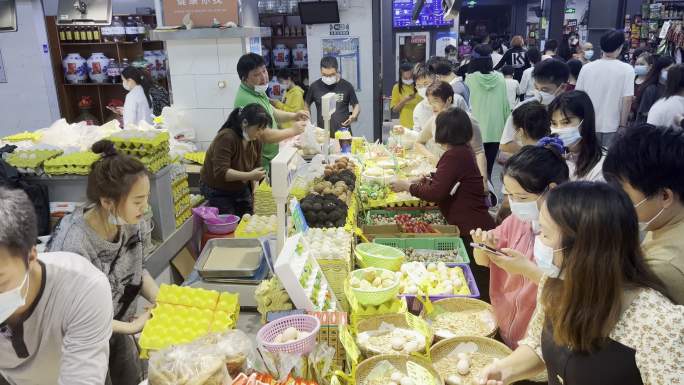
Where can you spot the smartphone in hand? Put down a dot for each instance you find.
(487, 248)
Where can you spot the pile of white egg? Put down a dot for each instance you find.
(330, 243)
(260, 224)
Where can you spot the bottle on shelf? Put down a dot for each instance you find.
(113, 72)
(69, 35)
(89, 34)
(62, 33)
(106, 33)
(118, 30)
(96, 34)
(84, 34)
(124, 63)
(131, 29)
(77, 35)
(142, 29)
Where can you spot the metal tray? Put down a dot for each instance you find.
(241, 269)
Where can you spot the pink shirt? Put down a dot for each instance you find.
(513, 297)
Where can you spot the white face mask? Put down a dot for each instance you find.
(525, 211)
(422, 91)
(12, 300)
(543, 257)
(126, 85)
(284, 86)
(546, 97)
(329, 80)
(643, 226)
(569, 135)
(589, 54)
(663, 76)
(407, 82)
(261, 88)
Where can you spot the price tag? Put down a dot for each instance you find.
(419, 374)
(298, 218)
(349, 345)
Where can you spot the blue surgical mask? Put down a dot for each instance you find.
(641, 70)
(663, 76)
(569, 135)
(589, 54)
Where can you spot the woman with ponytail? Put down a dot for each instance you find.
(232, 166)
(138, 103)
(107, 232)
(528, 176)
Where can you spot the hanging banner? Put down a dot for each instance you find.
(202, 12)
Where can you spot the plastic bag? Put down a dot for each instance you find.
(239, 352)
(192, 364)
(178, 127)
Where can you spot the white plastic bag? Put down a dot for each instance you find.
(178, 126)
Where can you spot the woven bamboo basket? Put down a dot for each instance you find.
(457, 304)
(485, 345)
(399, 361)
(397, 319)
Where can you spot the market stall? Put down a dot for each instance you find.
(353, 283)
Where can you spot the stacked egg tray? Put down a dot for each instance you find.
(23, 136)
(28, 161)
(182, 204)
(196, 157)
(150, 147)
(183, 314)
(77, 163)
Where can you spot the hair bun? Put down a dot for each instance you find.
(105, 148)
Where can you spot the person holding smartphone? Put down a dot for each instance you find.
(528, 176)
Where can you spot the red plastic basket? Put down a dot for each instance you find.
(301, 322)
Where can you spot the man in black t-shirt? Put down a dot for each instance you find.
(330, 81)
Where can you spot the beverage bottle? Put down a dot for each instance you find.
(62, 33)
(142, 30)
(77, 35)
(89, 34)
(131, 30)
(96, 34)
(124, 63)
(113, 71)
(84, 34)
(118, 30)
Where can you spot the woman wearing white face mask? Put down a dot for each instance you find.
(138, 104)
(232, 166)
(108, 231)
(404, 95)
(528, 177)
(606, 319)
(573, 121)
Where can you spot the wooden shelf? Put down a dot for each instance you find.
(284, 37)
(110, 43)
(68, 95)
(91, 84)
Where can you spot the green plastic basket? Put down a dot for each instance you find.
(379, 255)
(377, 296)
(428, 243)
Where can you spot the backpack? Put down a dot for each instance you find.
(37, 193)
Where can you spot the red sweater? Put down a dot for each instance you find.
(466, 208)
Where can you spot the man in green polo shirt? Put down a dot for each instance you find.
(252, 71)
